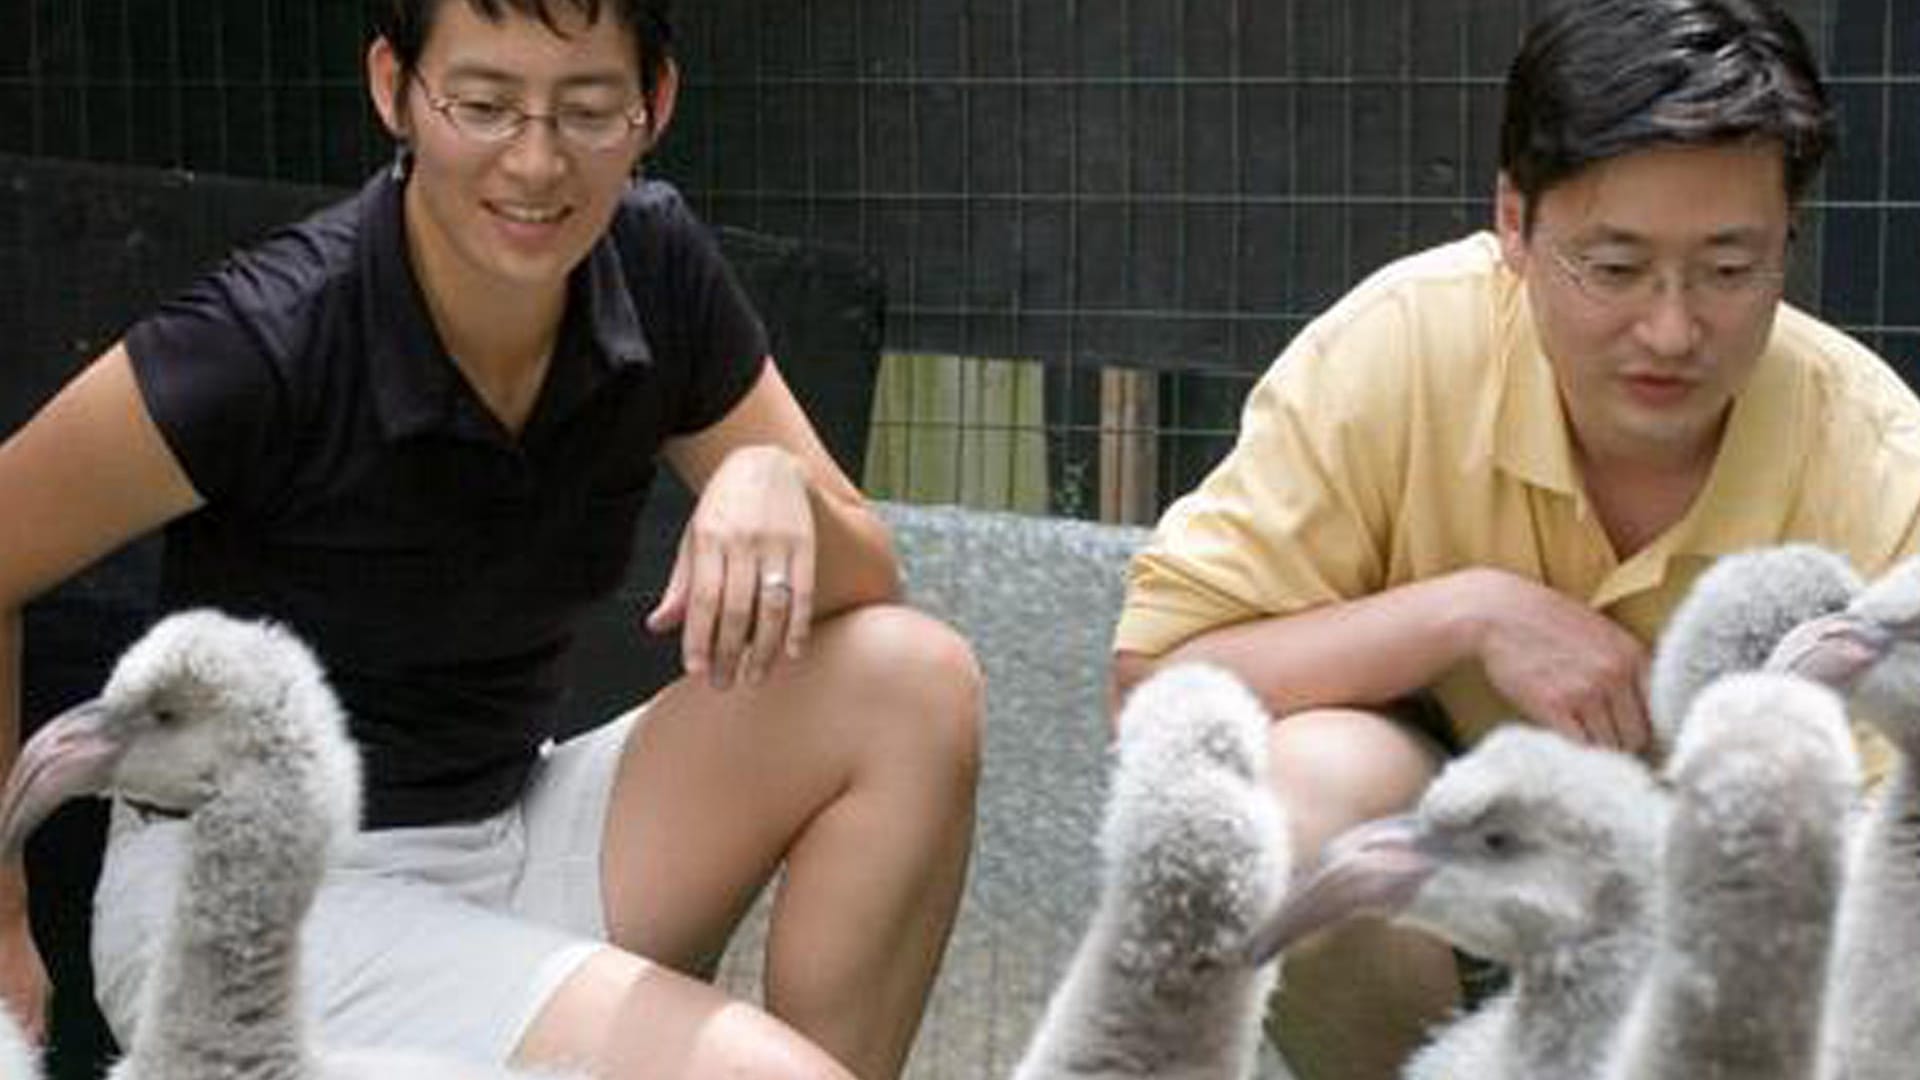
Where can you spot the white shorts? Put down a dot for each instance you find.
(447, 939)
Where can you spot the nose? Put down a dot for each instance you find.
(1669, 327)
(535, 154)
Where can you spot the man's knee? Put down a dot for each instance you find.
(1358, 998)
(1337, 767)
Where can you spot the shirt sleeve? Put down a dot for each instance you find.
(1298, 514)
(726, 342)
(1861, 490)
(204, 362)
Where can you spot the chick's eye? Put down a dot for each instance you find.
(164, 717)
(1497, 842)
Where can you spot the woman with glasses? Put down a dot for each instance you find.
(1477, 486)
(417, 428)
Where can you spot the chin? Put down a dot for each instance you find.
(532, 269)
(1674, 440)
(529, 264)
(533, 273)
(1682, 425)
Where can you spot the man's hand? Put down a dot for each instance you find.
(1563, 665)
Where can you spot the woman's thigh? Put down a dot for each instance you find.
(716, 787)
(621, 1015)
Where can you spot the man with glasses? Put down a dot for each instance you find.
(1477, 486)
(417, 428)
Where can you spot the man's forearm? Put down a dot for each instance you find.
(1368, 651)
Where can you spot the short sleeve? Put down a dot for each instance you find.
(1861, 481)
(1299, 512)
(205, 365)
(715, 324)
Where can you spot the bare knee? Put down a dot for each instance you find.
(746, 1043)
(620, 1016)
(1336, 768)
(918, 682)
(1359, 997)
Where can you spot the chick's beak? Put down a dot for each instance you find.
(1835, 650)
(1374, 869)
(73, 754)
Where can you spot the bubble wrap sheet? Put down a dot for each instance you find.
(1037, 597)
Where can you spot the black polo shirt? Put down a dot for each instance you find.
(358, 490)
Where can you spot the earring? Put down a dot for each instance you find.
(402, 160)
(638, 174)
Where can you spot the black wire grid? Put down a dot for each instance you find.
(1173, 186)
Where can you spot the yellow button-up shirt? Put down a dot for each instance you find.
(1416, 429)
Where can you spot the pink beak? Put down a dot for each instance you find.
(1835, 650)
(73, 754)
(1374, 869)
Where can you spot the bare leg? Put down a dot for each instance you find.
(1357, 1000)
(623, 1017)
(856, 768)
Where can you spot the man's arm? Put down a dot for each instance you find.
(1561, 664)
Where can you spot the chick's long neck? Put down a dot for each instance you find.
(223, 1000)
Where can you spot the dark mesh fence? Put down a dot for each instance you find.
(1144, 197)
(1168, 185)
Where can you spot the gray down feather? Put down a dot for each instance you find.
(230, 724)
(1734, 615)
(1752, 866)
(1194, 849)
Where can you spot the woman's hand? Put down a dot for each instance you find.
(23, 978)
(742, 585)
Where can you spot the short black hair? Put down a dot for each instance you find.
(1595, 79)
(408, 23)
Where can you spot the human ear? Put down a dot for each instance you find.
(666, 92)
(385, 87)
(1510, 223)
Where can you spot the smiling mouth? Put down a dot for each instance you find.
(528, 215)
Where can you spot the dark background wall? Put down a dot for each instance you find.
(1174, 184)
(1166, 185)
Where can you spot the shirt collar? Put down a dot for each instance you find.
(1526, 427)
(416, 386)
(1748, 492)
(1757, 471)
